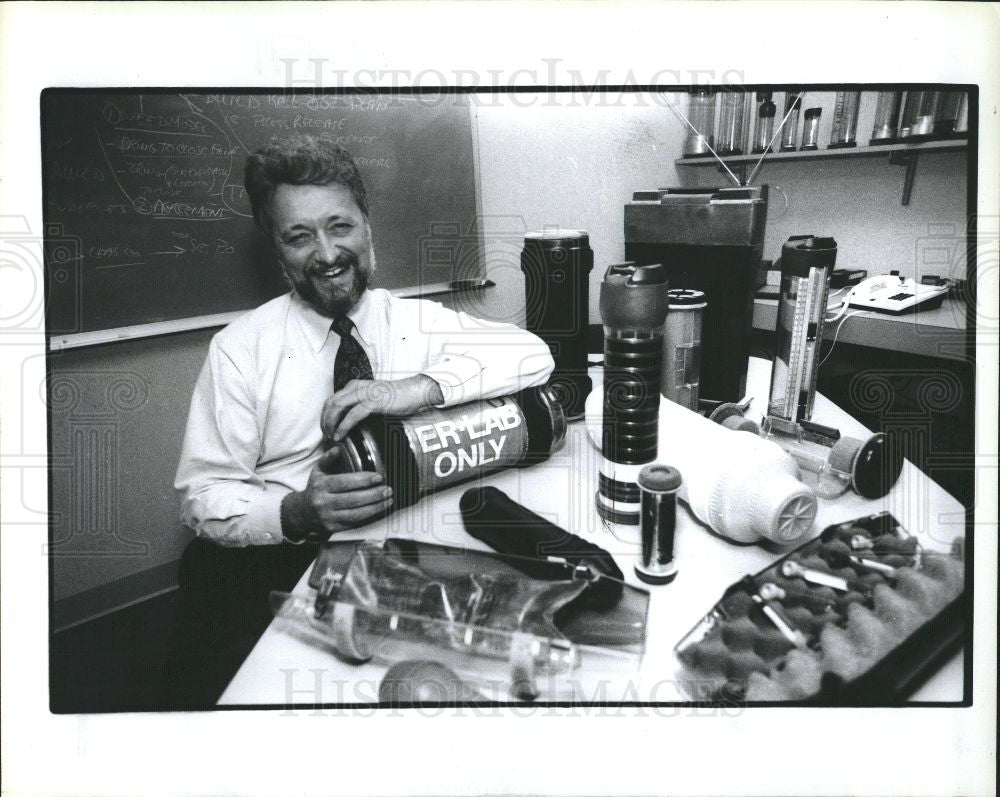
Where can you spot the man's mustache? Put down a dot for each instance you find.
(343, 260)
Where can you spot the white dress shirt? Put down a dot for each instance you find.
(253, 432)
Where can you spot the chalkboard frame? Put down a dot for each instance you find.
(58, 341)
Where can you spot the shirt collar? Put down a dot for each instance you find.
(317, 327)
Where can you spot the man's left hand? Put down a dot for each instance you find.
(360, 398)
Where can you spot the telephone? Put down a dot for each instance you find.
(891, 293)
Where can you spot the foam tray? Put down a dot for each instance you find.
(888, 617)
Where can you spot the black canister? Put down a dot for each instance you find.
(658, 485)
(556, 266)
(437, 448)
(634, 304)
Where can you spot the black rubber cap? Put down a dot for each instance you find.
(659, 478)
(877, 467)
(652, 274)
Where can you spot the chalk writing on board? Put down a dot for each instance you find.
(150, 186)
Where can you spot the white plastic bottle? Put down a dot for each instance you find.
(740, 485)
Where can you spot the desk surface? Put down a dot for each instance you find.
(932, 333)
(282, 670)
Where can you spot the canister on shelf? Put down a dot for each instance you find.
(730, 138)
(962, 122)
(701, 115)
(919, 111)
(845, 119)
(946, 119)
(765, 123)
(886, 117)
(682, 347)
(810, 129)
(793, 102)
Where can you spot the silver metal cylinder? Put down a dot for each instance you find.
(658, 486)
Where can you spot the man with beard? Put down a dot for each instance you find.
(283, 382)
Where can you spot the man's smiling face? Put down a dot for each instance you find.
(324, 244)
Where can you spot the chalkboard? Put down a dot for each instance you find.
(147, 219)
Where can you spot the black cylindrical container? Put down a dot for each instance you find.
(658, 485)
(634, 305)
(556, 266)
(437, 448)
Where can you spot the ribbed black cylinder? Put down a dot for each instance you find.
(632, 368)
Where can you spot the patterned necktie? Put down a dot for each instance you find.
(351, 362)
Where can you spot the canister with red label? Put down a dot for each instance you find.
(437, 448)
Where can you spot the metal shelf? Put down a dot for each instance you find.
(950, 145)
(899, 154)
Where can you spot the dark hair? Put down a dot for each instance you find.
(299, 160)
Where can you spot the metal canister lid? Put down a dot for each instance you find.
(361, 452)
(556, 414)
(557, 238)
(685, 298)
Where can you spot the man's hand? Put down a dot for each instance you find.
(360, 398)
(332, 502)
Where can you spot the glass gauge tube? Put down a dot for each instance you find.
(919, 111)
(886, 117)
(806, 263)
(810, 129)
(947, 113)
(730, 138)
(791, 128)
(845, 119)
(765, 123)
(701, 115)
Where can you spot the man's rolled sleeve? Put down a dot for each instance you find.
(477, 359)
(460, 379)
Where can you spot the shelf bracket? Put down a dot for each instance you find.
(909, 160)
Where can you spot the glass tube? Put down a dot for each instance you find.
(701, 115)
(962, 122)
(765, 123)
(730, 138)
(886, 116)
(919, 110)
(947, 113)
(810, 129)
(791, 128)
(845, 119)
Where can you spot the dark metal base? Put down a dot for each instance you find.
(654, 578)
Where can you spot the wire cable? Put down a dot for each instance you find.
(836, 334)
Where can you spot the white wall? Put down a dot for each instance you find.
(573, 161)
(570, 164)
